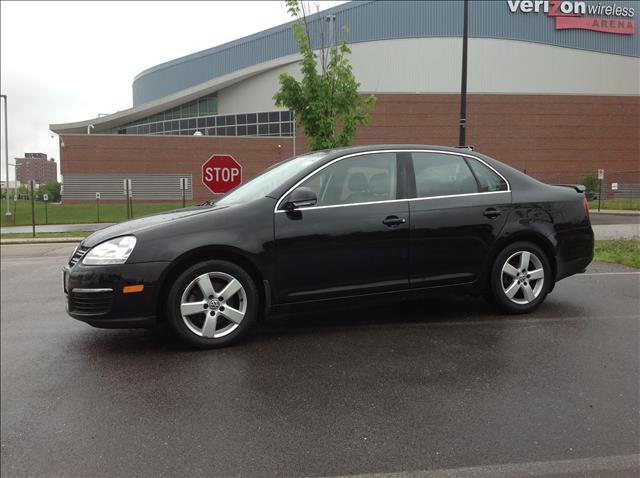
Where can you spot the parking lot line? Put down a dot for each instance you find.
(598, 466)
(607, 273)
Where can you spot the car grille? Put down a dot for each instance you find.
(78, 255)
(95, 302)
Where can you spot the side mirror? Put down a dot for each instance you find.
(301, 197)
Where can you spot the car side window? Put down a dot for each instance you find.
(488, 180)
(360, 179)
(442, 175)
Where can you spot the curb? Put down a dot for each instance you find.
(615, 212)
(42, 240)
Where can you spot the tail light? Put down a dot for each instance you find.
(585, 205)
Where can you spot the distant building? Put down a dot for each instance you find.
(551, 93)
(36, 166)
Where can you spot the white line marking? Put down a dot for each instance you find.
(599, 466)
(607, 274)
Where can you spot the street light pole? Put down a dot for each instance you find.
(463, 87)
(6, 153)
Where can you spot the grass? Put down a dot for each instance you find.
(626, 253)
(27, 235)
(82, 213)
(626, 204)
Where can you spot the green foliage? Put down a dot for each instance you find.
(591, 183)
(326, 101)
(52, 188)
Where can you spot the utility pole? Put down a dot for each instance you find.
(463, 87)
(6, 155)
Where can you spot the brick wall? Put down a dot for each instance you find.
(555, 138)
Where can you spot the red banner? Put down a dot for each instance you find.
(619, 26)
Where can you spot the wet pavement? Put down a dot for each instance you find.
(444, 384)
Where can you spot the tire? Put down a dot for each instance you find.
(514, 291)
(211, 320)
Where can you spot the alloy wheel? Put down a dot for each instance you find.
(522, 277)
(213, 305)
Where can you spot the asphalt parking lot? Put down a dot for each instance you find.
(442, 387)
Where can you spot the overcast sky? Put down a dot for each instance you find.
(69, 61)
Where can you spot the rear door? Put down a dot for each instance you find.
(354, 241)
(459, 206)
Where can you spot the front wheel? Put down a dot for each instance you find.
(520, 278)
(212, 304)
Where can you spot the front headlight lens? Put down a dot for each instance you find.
(115, 251)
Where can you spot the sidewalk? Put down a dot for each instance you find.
(55, 228)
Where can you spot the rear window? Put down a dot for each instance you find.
(440, 174)
(488, 180)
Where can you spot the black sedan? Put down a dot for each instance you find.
(368, 223)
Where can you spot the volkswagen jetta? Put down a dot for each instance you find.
(373, 223)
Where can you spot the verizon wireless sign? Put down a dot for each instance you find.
(580, 15)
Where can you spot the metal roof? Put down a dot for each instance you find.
(378, 20)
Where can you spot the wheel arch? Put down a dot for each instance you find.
(205, 253)
(534, 237)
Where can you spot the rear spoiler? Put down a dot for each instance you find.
(578, 187)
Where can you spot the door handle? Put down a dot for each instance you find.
(491, 213)
(393, 221)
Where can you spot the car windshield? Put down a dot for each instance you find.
(270, 179)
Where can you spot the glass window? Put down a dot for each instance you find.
(211, 121)
(263, 117)
(202, 122)
(285, 128)
(271, 179)
(440, 174)
(263, 129)
(192, 123)
(231, 130)
(285, 115)
(361, 179)
(488, 180)
(252, 130)
(220, 120)
(274, 117)
(274, 129)
(242, 130)
(220, 131)
(231, 119)
(184, 124)
(251, 118)
(242, 119)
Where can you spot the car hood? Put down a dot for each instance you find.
(137, 225)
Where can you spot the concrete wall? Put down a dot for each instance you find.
(432, 65)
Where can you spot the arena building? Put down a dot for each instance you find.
(553, 90)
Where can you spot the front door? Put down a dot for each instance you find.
(353, 241)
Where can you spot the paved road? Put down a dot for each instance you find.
(444, 385)
(596, 219)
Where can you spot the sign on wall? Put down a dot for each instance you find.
(581, 15)
(221, 173)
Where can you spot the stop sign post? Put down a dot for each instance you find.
(221, 173)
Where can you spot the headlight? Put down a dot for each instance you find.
(115, 251)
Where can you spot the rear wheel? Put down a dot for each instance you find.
(212, 304)
(520, 278)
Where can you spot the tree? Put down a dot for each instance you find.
(326, 102)
(592, 186)
(52, 188)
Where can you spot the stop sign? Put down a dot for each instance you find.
(221, 173)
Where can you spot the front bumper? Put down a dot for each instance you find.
(95, 294)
